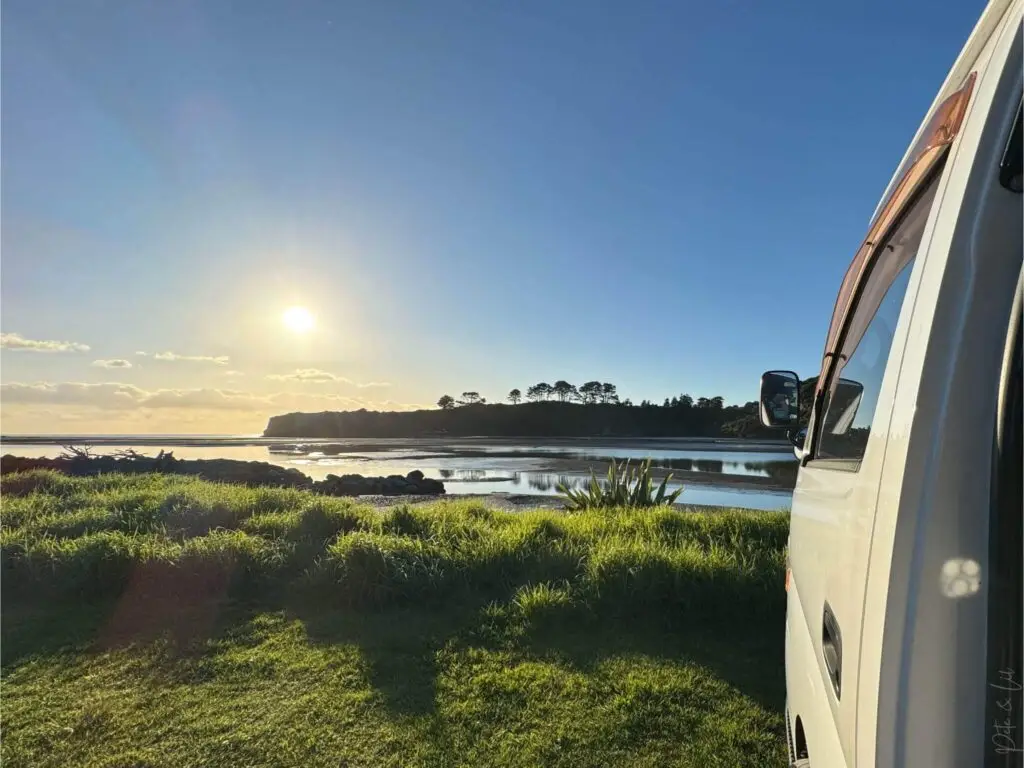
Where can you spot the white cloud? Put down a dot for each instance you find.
(16, 342)
(316, 376)
(174, 357)
(205, 399)
(306, 375)
(106, 396)
(234, 374)
(117, 396)
(111, 364)
(114, 396)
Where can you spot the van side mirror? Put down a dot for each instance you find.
(779, 403)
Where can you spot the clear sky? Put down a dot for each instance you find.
(464, 196)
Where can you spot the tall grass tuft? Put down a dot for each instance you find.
(375, 569)
(624, 486)
(38, 481)
(91, 537)
(546, 604)
(92, 565)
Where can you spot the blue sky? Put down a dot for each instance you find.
(466, 196)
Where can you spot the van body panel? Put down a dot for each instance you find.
(805, 684)
(878, 543)
(925, 643)
(987, 25)
(830, 537)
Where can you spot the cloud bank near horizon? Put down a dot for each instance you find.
(15, 342)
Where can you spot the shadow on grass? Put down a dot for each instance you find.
(752, 665)
(401, 645)
(30, 631)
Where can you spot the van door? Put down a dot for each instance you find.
(923, 685)
(837, 488)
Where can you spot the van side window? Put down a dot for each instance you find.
(852, 394)
(851, 406)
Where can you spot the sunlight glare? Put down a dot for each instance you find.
(298, 319)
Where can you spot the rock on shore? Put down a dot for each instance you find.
(412, 484)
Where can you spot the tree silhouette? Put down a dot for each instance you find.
(591, 392)
(709, 417)
(563, 390)
(541, 391)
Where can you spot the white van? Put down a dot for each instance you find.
(903, 627)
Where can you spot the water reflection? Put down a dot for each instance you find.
(453, 459)
(767, 467)
(468, 475)
(541, 482)
(782, 471)
(708, 465)
(534, 470)
(546, 484)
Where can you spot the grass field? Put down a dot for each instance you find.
(164, 621)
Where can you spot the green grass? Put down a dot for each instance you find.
(165, 621)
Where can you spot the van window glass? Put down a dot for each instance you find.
(851, 405)
(852, 395)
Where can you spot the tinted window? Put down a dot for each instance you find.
(851, 406)
(852, 393)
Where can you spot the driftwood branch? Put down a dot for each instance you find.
(128, 453)
(76, 452)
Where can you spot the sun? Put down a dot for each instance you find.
(298, 319)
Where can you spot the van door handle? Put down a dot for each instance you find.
(832, 648)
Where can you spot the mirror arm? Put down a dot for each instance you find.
(798, 445)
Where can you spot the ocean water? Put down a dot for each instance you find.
(472, 466)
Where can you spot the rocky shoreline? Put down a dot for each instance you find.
(251, 473)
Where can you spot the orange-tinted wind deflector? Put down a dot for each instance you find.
(927, 152)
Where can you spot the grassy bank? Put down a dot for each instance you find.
(155, 621)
